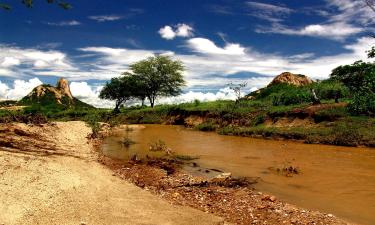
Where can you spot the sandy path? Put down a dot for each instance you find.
(59, 181)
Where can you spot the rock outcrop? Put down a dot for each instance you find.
(292, 79)
(46, 94)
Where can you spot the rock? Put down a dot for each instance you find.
(221, 177)
(176, 195)
(48, 94)
(269, 198)
(292, 79)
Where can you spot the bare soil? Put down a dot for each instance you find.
(49, 174)
(233, 199)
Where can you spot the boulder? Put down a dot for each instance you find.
(292, 79)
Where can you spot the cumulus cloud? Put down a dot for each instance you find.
(104, 18)
(89, 94)
(19, 89)
(64, 23)
(206, 46)
(179, 30)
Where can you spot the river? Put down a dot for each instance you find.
(331, 179)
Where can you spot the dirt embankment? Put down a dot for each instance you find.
(231, 198)
(49, 174)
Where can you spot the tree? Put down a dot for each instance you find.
(237, 89)
(355, 76)
(118, 89)
(360, 79)
(138, 87)
(158, 76)
(30, 4)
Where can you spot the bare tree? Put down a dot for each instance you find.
(237, 88)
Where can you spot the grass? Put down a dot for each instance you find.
(247, 118)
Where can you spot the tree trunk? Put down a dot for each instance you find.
(316, 100)
(143, 101)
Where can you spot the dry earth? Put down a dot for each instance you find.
(49, 174)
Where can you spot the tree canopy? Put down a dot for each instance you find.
(150, 78)
(118, 89)
(159, 76)
(30, 4)
(359, 77)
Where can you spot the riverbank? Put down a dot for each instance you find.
(233, 198)
(49, 174)
(326, 123)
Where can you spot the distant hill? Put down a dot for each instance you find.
(48, 95)
(281, 82)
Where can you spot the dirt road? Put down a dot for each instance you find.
(50, 175)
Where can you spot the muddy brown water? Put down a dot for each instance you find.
(337, 180)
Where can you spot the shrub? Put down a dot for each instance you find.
(206, 126)
(363, 103)
(330, 89)
(291, 96)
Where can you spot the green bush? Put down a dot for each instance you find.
(363, 103)
(291, 96)
(330, 89)
(206, 126)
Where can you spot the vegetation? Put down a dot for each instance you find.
(30, 4)
(151, 78)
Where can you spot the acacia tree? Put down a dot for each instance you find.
(119, 89)
(30, 4)
(137, 87)
(158, 76)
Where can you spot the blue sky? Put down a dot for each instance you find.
(219, 42)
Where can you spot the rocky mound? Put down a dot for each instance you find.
(292, 79)
(46, 94)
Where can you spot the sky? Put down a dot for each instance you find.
(218, 41)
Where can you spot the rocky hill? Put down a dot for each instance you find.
(60, 95)
(292, 79)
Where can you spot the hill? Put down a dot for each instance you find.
(291, 79)
(48, 95)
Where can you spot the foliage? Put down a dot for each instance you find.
(331, 89)
(30, 4)
(206, 126)
(291, 96)
(357, 76)
(159, 76)
(363, 103)
(360, 79)
(119, 89)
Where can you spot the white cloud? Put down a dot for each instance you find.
(104, 18)
(167, 32)
(17, 61)
(89, 94)
(19, 89)
(207, 64)
(10, 61)
(269, 12)
(181, 30)
(346, 18)
(205, 46)
(269, 8)
(336, 31)
(64, 23)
